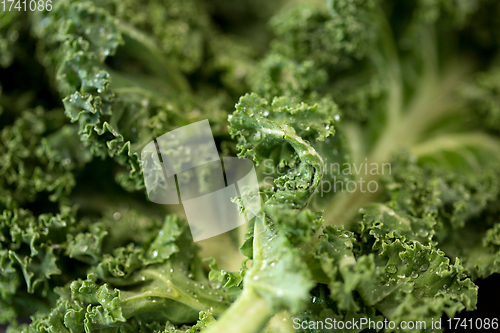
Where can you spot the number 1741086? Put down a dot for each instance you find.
(473, 324)
(26, 5)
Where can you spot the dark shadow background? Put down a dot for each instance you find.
(488, 305)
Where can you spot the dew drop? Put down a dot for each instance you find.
(391, 269)
(424, 267)
(423, 232)
(14, 36)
